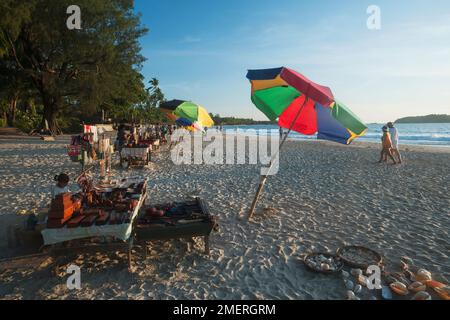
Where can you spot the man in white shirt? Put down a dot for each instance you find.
(394, 137)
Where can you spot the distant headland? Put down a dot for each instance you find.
(431, 118)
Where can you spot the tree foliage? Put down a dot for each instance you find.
(73, 72)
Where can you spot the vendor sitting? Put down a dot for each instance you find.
(62, 180)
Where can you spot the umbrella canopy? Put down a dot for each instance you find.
(302, 105)
(188, 111)
(171, 105)
(183, 122)
(194, 113)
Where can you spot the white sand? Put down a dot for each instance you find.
(324, 196)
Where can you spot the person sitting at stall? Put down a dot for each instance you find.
(61, 186)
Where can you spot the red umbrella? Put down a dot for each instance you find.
(311, 93)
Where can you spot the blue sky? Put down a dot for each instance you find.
(200, 51)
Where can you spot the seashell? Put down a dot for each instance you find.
(348, 284)
(404, 266)
(345, 274)
(443, 292)
(351, 295)
(386, 293)
(417, 286)
(325, 267)
(401, 278)
(399, 288)
(357, 288)
(422, 295)
(362, 280)
(423, 275)
(410, 275)
(390, 279)
(356, 272)
(407, 260)
(434, 284)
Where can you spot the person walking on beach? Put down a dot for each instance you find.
(386, 143)
(394, 137)
(281, 132)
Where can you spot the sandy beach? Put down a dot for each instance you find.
(324, 196)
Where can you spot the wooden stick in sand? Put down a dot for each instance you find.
(264, 177)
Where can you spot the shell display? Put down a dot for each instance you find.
(410, 275)
(399, 288)
(362, 280)
(407, 260)
(417, 287)
(434, 284)
(443, 292)
(345, 274)
(422, 295)
(386, 293)
(356, 272)
(351, 295)
(322, 263)
(349, 284)
(423, 275)
(357, 288)
(325, 267)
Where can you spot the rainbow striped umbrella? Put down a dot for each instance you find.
(301, 105)
(187, 113)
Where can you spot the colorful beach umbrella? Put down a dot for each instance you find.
(169, 107)
(302, 105)
(196, 114)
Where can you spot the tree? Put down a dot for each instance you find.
(75, 70)
(13, 87)
(148, 110)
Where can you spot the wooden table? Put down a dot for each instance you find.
(145, 233)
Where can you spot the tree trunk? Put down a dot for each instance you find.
(5, 118)
(50, 114)
(51, 109)
(11, 114)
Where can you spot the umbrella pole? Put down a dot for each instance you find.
(264, 177)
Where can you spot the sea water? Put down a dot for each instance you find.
(430, 134)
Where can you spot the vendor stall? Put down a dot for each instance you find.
(135, 155)
(104, 211)
(91, 145)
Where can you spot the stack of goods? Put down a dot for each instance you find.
(61, 210)
(107, 204)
